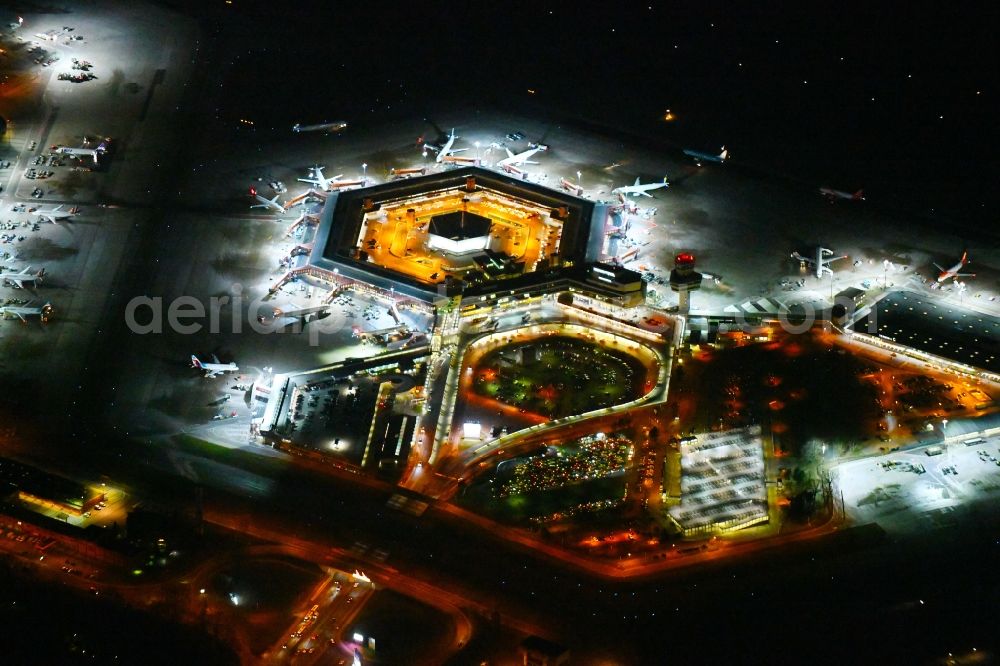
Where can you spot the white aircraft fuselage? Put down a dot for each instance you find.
(271, 204)
(316, 177)
(325, 127)
(517, 160)
(639, 189)
(213, 369)
(20, 278)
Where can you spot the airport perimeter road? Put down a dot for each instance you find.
(341, 597)
(853, 573)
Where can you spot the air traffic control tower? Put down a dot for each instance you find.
(684, 279)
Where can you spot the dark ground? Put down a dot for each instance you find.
(788, 88)
(47, 624)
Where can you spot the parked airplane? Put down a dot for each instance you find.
(213, 369)
(636, 188)
(316, 177)
(22, 312)
(833, 195)
(445, 150)
(54, 215)
(324, 127)
(266, 203)
(953, 272)
(513, 160)
(700, 157)
(19, 279)
(820, 261)
(295, 317)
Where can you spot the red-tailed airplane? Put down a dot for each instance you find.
(953, 272)
(833, 195)
(271, 204)
(213, 369)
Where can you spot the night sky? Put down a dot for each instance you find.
(849, 96)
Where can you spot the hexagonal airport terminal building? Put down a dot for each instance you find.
(444, 233)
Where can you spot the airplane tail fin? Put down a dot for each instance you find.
(859, 195)
(636, 180)
(965, 257)
(724, 154)
(195, 363)
(253, 191)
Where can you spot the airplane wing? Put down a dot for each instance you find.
(457, 150)
(939, 268)
(215, 359)
(645, 194)
(21, 317)
(211, 373)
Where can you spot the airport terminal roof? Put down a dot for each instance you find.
(944, 329)
(335, 248)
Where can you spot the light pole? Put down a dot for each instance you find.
(477, 152)
(578, 176)
(364, 171)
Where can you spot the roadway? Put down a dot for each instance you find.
(450, 462)
(484, 571)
